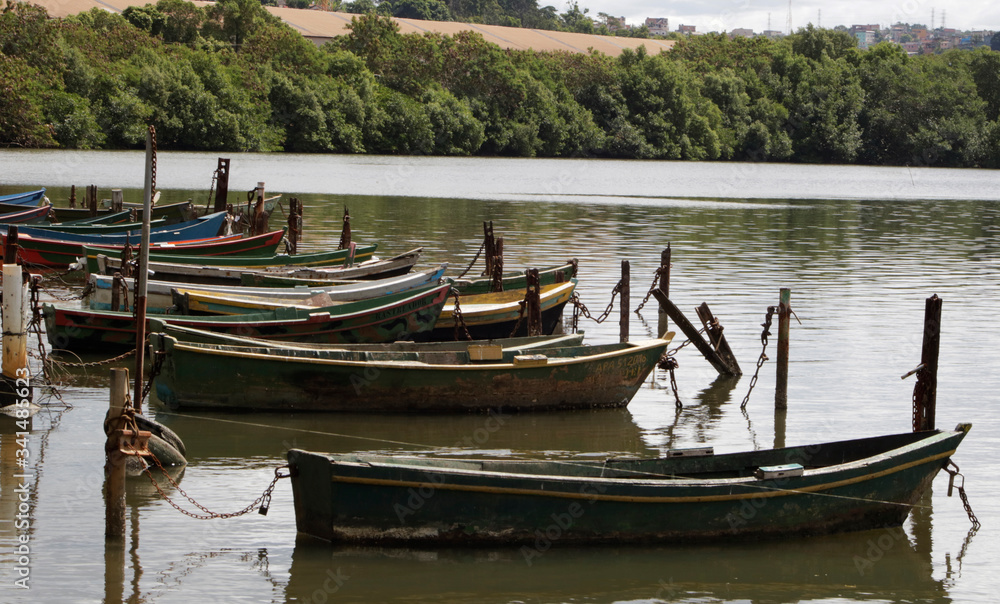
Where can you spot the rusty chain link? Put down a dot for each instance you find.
(152, 171)
(459, 319)
(763, 353)
(668, 362)
(263, 502)
(474, 260)
(953, 473)
(578, 305)
(656, 280)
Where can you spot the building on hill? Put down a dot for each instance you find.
(741, 32)
(686, 29)
(658, 26)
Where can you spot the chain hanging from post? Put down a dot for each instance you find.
(579, 305)
(461, 331)
(211, 190)
(489, 243)
(533, 302)
(126, 259)
(668, 362)
(763, 356)
(496, 283)
(952, 474)
(649, 294)
(474, 260)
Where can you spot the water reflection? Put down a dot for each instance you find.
(873, 565)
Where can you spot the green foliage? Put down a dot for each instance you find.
(233, 78)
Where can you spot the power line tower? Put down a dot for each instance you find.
(788, 24)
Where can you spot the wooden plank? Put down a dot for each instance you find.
(691, 332)
(718, 339)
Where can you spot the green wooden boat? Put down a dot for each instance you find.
(383, 319)
(861, 484)
(250, 258)
(482, 285)
(201, 376)
(173, 212)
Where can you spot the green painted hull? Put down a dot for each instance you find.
(849, 485)
(202, 376)
(518, 280)
(383, 319)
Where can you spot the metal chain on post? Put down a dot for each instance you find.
(578, 305)
(953, 473)
(763, 356)
(459, 319)
(474, 260)
(668, 362)
(520, 317)
(211, 190)
(649, 294)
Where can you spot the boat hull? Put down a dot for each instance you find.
(384, 319)
(366, 499)
(194, 376)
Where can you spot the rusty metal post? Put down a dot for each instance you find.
(925, 390)
(221, 185)
(345, 231)
(662, 323)
(117, 200)
(533, 302)
(625, 302)
(784, 321)
(72, 196)
(114, 465)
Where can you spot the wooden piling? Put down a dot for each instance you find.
(345, 231)
(662, 323)
(117, 200)
(626, 302)
(92, 199)
(925, 390)
(294, 224)
(258, 217)
(221, 185)
(718, 339)
(691, 332)
(72, 196)
(533, 302)
(114, 465)
(784, 321)
(489, 246)
(143, 276)
(496, 284)
(15, 322)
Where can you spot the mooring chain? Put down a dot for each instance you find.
(656, 280)
(156, 366)
(124, 355)
(152, 163)
(263, 502)
(211, 189)
(578, 304)
(474, 260)
(461, 331)
(668, 362)
(953, 473)
(763, 353)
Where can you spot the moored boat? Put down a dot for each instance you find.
(383, 319)
(852, 485)
(34, 216)
(28, 198)
(520, 379)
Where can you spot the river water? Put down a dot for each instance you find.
(860, 249)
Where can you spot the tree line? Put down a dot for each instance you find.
(231, 77)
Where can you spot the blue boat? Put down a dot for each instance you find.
(199, 228)
(31, 198)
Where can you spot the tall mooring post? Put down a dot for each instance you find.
(663, 285)
(625, 302)
(15, 324)
(221, 185)
(114, 463)
(92, 199)
(533, 302)
(345, 231)
(784, 322)
(140, 290)
(925, 390)
(294, 224)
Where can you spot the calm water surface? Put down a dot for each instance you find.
(860, 248)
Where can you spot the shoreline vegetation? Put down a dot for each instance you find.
(232, 78)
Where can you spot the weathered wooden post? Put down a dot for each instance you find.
(221, 185)
(662, 323)
(925, 390)
(258, 218)
(15, 321)
(114, 464)
(489, 246)
(784, 321)
(143, 277)
(625, 302)
(117, 282)
(72, 196)
(294, 224)
(533, 302)
(718, 339)
(345, 231)
(92, 199)
(117, 200)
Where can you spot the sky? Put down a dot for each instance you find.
(725, 15)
